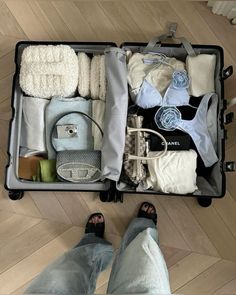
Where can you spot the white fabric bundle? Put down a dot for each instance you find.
(98, 78)
(142, 268)
(33, 124)
(159, 76)
(98, 113)
(201, 71)
(92, 76)
(175, 172)
(84, 74)
(48, 70)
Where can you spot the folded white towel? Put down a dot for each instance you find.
(48, 70)
(201, 71)
(33, 124)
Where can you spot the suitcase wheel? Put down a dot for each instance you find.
(204, 202)
(15, 195)
(111, 196)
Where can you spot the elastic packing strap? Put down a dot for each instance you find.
(157, 40)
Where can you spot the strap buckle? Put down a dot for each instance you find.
(172, 30)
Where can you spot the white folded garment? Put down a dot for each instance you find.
(98, 78)
(33, 124)
(48, 70)
(158, 75)
(98, 113)
(175, 172)
(201, 71)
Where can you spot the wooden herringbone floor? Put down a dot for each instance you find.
(199, 244)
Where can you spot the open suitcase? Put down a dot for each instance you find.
(211, 181)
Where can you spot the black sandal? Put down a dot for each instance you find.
(145, 214)
(98, 229)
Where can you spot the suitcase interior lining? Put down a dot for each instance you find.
(12, 179)
(209, 180)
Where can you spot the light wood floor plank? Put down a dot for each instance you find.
(7, 65)
(14, 226)
(4, 215)
(229, 288)
(6, 89)
(72, 203)
(210, 280)
(26, 206)
(173, 255)
(216, 230)
(28, 242)
(188, 268)
(74, 21)
(230, 177)
(222, 25)
(4, 126)
(49, 206)
(183, 219)
(5, 110)
(7, 44)
(5, 203)
(28, 21)
(120, 18)
(227, 211)
(58, 27)
(14, 278)
(97, 20)
(8, 24)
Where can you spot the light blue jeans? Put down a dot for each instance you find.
(77, 270)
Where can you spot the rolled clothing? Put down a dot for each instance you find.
(84, 74)
(98, 78)
(175, 172)
(59, 106)
(33, 124)
(157, 74)
(201, 71)
(98, 113)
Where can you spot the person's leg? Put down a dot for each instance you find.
(139, 266)
(77, 270)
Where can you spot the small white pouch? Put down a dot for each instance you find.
(201, 71)
(175, 172)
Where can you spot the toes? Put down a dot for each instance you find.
(150, 210)
(145, 207)
(100, 218)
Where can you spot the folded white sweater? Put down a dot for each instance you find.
(48, 70)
